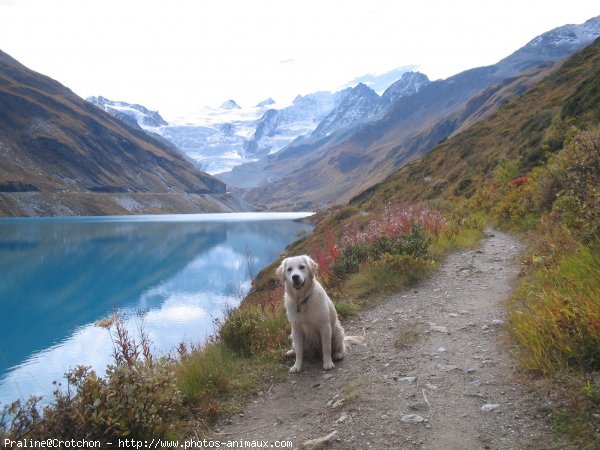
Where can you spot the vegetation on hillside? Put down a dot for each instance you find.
(534, 167)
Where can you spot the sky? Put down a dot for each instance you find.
(176, 56)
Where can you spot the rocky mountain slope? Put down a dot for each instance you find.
(61, 155)
(354, 107)
(333, 170)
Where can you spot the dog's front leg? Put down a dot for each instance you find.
(298, 341)
(326, 346)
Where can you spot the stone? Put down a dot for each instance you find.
(338, 403)
(446, 367)
(488, 407)
(409, 379)
(439, 328)
(319, 442)
(342, 418)
(412, 418)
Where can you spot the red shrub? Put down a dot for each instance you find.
(397, 221)
(326, 254)
(519, 181)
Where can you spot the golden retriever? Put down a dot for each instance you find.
(311, 313)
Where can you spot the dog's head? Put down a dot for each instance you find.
(296, 271)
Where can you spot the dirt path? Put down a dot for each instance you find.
(435, 373)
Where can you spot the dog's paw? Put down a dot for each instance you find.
(296, 369)
(328, 365)
(338, 356)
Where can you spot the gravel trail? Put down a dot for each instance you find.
(436, 372)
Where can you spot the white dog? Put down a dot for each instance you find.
(312, 314)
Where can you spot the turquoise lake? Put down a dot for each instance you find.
(58, 276)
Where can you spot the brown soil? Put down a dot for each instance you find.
(436, 372)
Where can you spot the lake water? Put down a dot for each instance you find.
(58, 276)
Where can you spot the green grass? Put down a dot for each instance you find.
(346, 309)
(214, 381)
(557, 314)
(390, 274)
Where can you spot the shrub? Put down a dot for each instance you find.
(18, 420)
(350, 259)
(397, 221)
(138, 398)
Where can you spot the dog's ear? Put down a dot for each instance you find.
(281, 271)
(313, 267)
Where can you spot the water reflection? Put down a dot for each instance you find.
(59, 277)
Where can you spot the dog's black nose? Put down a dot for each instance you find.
(296, 277)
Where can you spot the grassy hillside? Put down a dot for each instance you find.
(534, 167)
(528, 130)
(334, 169)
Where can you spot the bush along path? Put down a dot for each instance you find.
(436, 372)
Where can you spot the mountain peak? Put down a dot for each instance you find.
(410, 83)
(132, 114)
(230, 104)
(267, 102)
(552, 46)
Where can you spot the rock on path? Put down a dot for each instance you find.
(436, 371)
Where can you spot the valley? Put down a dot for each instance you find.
(452, 214)
(327, 148)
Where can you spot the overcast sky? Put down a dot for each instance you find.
(179, 55)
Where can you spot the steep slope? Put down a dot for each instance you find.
(358, 104)
(339, 168)
(410, 83)
(527, 130)
(61, 155)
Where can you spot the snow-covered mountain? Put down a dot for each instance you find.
(219, 139)
(361, 103)
(410, 83)
(279, 127)
(552, 45)
(358, 103)
(132, 114)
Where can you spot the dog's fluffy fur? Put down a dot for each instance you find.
(311, 312)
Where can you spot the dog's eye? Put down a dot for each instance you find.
(302, 267)
(289, 269)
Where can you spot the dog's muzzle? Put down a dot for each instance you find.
(297, 282)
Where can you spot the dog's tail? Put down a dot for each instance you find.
(354, 339)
